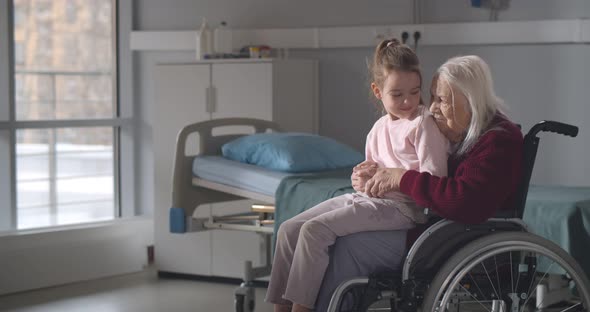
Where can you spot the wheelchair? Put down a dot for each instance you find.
(495, 266)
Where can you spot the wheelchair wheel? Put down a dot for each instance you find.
(509, 271)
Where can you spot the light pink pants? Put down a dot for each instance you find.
(301, 253)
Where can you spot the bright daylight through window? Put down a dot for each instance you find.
(64, 87)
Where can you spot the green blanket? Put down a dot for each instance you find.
(296, 194)
(562, 215)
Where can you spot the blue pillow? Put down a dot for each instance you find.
(291, 152)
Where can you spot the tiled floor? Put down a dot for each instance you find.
(143, 292)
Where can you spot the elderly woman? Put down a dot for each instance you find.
(484, 172)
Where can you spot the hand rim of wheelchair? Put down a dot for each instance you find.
(449, 276)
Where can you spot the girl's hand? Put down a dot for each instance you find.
(384, 181)
(361, 173)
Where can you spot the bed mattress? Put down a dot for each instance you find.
(237, 174)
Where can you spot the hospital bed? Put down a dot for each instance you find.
(208, 178)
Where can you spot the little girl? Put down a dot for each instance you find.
(405, 137)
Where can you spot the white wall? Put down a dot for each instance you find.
(187, 14)
(537, 81)
(453, 11)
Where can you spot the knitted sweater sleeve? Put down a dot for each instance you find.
(487, 176)
(432, 148)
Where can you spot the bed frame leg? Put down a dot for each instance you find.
(245, 296)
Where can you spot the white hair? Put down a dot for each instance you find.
(471, 76)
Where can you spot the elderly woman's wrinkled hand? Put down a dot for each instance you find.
(361, 173)
(384, 180)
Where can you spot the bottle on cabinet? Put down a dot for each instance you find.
(204, 41)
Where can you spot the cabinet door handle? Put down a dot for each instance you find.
(213, 99)
(208, 99)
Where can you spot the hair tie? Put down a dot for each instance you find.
(389, 43)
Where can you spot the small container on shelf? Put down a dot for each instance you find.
(254, 52)
(265, 51)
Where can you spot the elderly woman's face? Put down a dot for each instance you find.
(450, 109)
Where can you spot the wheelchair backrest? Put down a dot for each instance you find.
(531, 144)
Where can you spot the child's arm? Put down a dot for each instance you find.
(432, 148)
(362, 172)
(368, 149)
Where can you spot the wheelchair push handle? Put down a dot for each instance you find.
(554, 126)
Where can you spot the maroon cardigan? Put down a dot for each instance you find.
(481, 182)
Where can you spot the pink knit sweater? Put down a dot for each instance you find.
(412, 144)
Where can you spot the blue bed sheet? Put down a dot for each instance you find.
(237, 174)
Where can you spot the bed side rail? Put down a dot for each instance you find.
(185, 196)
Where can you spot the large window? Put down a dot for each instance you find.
(63, 125)
(64, 176)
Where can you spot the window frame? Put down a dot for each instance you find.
(122, 121)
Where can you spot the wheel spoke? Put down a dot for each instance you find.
(517, 279)
(478, 301)
(498, 277)
(477, 285)
(532, 280)
(490, 279)
(511, 274)
(575, 305)
(529, 288)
